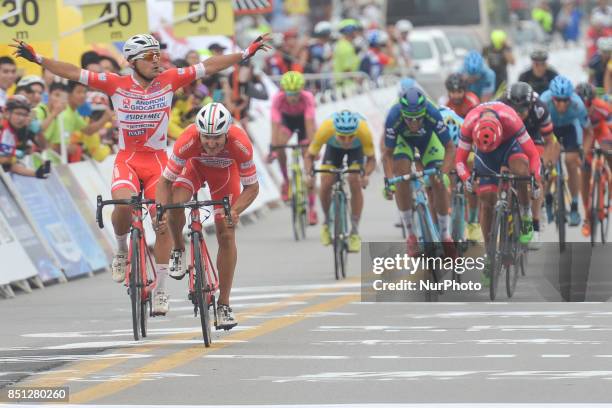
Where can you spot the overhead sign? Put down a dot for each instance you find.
(117, 22)
(242, 7)
(209, 17)
(29, 20)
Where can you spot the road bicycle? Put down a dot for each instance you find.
(203, 278)
(298, 193)
(140, 276)
(504, 249)
(338, 218)
(599, 195)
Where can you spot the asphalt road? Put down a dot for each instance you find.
(304, 338)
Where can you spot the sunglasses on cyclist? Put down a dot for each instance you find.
(211, 137)
(149, 56)
(412, 119)
(561, 100)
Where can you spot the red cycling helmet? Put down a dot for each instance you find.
(487, 134)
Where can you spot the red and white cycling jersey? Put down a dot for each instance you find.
(512, 128)
(142, 113)
(237, 153)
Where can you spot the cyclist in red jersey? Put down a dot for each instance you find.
(460, 99)
(600, 116)
(142, 103)
(501, 141)
(220, 154)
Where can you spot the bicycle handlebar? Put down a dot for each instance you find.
(135, 201)
(195, 204)
(289, 146)
(600, 151)
(413, 176)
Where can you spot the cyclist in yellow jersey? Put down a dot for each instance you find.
(347, 134)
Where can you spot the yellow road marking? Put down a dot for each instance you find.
(83, 369)
(185, 356)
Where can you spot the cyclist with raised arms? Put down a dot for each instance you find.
(142, 103)
(344, 134)
(501, 142)
(600, 116)
(480, 78)
(414, 123)
(216, 152)
(572, 127)
(536, 118)
(293, 110)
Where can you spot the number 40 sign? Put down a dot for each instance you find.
(28, 20)
(117, 21)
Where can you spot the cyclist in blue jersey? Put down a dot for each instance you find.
(414, 123)
(480, 78)
(453, 123)
(571, 125)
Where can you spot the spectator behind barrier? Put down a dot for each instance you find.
(8, 76)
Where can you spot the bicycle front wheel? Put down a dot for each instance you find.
(605, 208)
(561, 209)
(514, 268)
(595, 204)
(295, 207)
(200, 286)
(494, 252)
(338, 238)
(431, 275)
(135, 283)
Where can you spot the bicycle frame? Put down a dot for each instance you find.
(210, 279)
(144, 285)
(599, 184)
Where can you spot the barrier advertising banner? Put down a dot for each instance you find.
(44, 212)
(77, 227)
(15, 265)
(85, 208)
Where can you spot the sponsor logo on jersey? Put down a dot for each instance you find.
(181, 71)
(246, 165)
(126, 103)
(240, 146)
(134, 133)
(102, 77)
(186, 146)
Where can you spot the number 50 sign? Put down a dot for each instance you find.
(28, 20)
(116, 21)
(203, 17)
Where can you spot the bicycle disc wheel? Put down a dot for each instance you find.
(303, 207)
(494, 252)
(512, 268)
(135, 286)
(561, 210)
(199, 286)
(595, 203)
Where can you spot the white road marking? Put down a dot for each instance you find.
(68, 357)
(442, 357)
(556, 355)
(274, 357)
(126, 332)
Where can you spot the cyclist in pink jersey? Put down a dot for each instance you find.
(142, 103)
(293, 110)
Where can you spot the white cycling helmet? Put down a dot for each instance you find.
(30, 80)
(604, 44)
(138, 44)
(213, 120)
(403, 26)
(322, 29)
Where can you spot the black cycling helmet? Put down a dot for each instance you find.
(586, 92)
(17, 102)
(520, 96)
(539, 54)
(455, 82)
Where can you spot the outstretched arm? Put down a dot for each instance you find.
(220, 62)
(59, 68)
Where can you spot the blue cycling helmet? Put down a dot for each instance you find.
(405, 84)
(453, 123)
(473, 63)
(346, 122)
(413, 104)
(561, 87)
